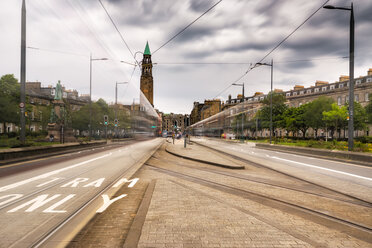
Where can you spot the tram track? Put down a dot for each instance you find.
(362, 202)
(162, 162)
(357, 230)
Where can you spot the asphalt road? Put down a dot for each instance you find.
(345, 176)
(35, 202)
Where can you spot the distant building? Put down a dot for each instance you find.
(211, 107)
(171, 122)
(195, 115)
(147, 81)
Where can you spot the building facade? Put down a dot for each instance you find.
(172, 122)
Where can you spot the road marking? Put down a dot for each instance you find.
(124, 180)
(51, 209)
(322, 168)
(75, 182)
(12, 198)
(97, 183)
(55, 179)
(48, 174)
(36, 203)
(107, 202)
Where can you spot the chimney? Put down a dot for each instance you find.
(229, 98)
(258, 93)
(298, 87)
(320, 83)
(370, 72)
(239, 96)
(278, 90)
(343, 78)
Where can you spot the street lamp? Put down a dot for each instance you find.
(90, 92)
(116, 104)
(242, 84)
(271, 95)
(23, 75)
(351, 75)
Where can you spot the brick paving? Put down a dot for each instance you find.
(110, 228)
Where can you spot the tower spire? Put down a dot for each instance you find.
(147, 49)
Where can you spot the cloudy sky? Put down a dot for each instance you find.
(200, 63)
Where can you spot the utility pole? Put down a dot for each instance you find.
(90, 96)
(23, 75)
(351, 73)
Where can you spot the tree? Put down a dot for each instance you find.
(9, 99)
(314, 113)
(278, 109)
(360, 117)
(336, 118)
(294, 119)
(368, 110)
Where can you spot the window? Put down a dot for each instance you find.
(366, 97)
(300, 104)
(250, 99)
(332, 87)
(261, 98)
(295, 93)
(308, 91)
(356, 98)
(288, 94)
(347, 84)
(346, 99)
(256, 98)
(369, 80)
(316, 90)
(302, 92)
(339, 101)
(358, 82)
(324, 88)
(341, 86)
(53, 92)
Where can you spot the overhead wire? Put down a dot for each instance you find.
(278, 45)
(182, 30)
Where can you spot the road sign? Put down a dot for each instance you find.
(22, 105)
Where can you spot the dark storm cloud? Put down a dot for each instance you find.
(200, 5)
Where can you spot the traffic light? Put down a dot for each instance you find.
(105, 120)
(116, 122)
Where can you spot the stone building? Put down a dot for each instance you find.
(338, 91)
(147, 82)
(195, 115)
(39, 101)
(211, 107)
(175, 121)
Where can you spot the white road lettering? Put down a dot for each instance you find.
(124, 180)
(75, 182)
(39, 201)
(96, 183)
(12, 197)
(48, 174)
(51, 209)
(50, 181)
(107, 202)
(322, 168)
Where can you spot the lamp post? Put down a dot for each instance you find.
(271, 96)
(116, 104)
(90, 92)
(23, 75)
(242, 84)
(351, 74)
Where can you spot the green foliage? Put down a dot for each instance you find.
(80, 119)
(9, 99)
(368, 110)
(336, 118)
(359, 117)
(314, 114)
(293, 119)
(278, 109)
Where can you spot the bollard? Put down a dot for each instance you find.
(184, 143)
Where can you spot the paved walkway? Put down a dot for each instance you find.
(200, 154)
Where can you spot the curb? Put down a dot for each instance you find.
(135, 230)
(206, 162)
(341, 156)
